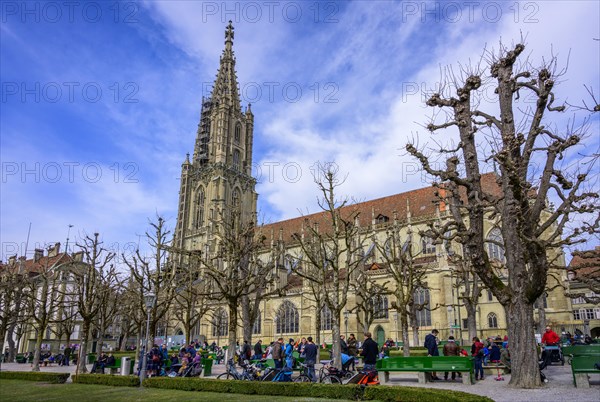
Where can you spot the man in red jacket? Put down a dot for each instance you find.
(550, 337)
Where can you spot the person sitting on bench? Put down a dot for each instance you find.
(100, 363)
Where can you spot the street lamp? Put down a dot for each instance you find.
(395, 315)
(149, 300)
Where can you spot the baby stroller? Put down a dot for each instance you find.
(365, 377)
(193, 370)
(278, 375)
(553, 354)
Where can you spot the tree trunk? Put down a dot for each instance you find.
(12, 350)
(37, 350)
(247, 322)
(471, 319)
(523, 347)
(318, 326)
(541, 314)
(335, 347)
(81, 360)
(404, 326)
(232, 339)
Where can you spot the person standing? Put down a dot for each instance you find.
(258, 352)
(370, 349)
(67, 353)
(301, 347)
(352, 349)
(451, 349)
(278, 353)
(343, 345)
(431, 344)
(310, 358)
(477, 353)
(289, 354)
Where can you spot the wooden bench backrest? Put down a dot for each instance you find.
(417, 363)
(584, 362)
(581, 350)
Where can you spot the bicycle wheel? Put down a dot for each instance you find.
(348, 375)
(302, 378)
(331, 379)
(225, 376)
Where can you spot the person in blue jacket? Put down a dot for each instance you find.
(431, 344)
(289, 351)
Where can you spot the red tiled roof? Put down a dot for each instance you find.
(32, 266)
(422, 203)
(586, 263)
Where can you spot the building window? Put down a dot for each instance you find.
(326, 319)
(288, 319)
(235, 198)
(577, 314)
(238, 133)
(492, 320)
(236, 160)
(220, 323)
(48, 332)
(494, 245)
(380, 307)
(578, 300)
(199, 218)
(428, 246)
(597, 313)
(490, 296)
(422, 312)
(589, 313)
(257, 328)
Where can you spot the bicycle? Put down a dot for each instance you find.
(303, 377)
(231, 373)
(331, 375)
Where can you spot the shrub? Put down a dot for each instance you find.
(53, 378)
(330, 391)
(105, 379)
(387, 393)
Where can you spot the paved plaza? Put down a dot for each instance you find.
(559, 388)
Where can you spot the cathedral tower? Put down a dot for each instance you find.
(217, 188)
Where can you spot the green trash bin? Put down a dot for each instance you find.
(207, 363)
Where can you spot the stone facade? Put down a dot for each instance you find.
(215, 173)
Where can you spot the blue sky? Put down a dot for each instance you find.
(100, 100)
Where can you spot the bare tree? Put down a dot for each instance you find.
(13, 279)
(407, 274)
(235, 273)
(518, 140)
(332, 250)
(154, 274)
(90, 276)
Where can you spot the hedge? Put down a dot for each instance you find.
(398, 393)
(330, 391)
(53, 378)
(104, 379)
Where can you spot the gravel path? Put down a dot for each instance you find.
(559, 388)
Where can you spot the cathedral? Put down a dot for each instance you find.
(216, 185)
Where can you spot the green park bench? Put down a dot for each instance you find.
(425, 366)
(582, 366)
(116, 368)
(581, 350)
(20, 358)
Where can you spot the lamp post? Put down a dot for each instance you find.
(149, 300)
(346, 314)
(396, 325)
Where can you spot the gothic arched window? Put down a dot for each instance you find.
(380, 307)
(220, 325)
(238, 133)
(236, 160)
(199, 218)
(428, 245)
(494, 245)
(326, 318)
(235, 198)
(288, 319)
(492, 320)
(257, 327)
(422, 311)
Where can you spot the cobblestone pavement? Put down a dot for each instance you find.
(559, 388)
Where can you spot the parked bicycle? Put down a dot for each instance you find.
(329, 374)
(232, 373)
(303, 376)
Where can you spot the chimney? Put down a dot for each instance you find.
(53, 251)
(78, 256)
(37, 254)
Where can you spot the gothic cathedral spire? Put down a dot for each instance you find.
(216, 186)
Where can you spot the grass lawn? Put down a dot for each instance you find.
(16, 390)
